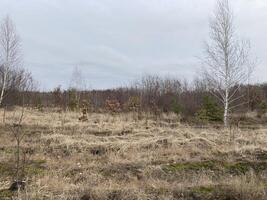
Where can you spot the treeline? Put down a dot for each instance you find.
(149, 94)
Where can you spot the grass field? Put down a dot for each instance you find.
(117, 157)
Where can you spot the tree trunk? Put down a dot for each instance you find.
(3, 89)
(226, 108)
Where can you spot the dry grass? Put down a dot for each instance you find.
(115, 157)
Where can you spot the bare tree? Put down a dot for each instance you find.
(227, 63)
(77, 84)
(18, 134)
(9, 53)
(77, 79)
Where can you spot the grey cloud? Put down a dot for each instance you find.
(115, 41)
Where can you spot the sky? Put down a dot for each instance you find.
(114, 42)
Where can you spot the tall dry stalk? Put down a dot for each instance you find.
(18, 134)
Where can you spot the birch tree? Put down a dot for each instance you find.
(226, 65)
(9, 54)
(77, 80)
(77, 84)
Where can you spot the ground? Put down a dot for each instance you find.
(119, 157)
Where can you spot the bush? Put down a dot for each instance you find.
(73, 102)
(210, 111)
(262, 109)
(176, 107)
(39, 105)
(134, 104)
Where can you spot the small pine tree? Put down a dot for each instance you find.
(176, 107)
(262, 109)
(210, 111)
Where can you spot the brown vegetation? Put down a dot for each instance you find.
(116, 157)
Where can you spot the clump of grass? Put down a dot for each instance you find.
(192, 166)
(7, 150)
(261, 155)
(6, 194)
(36, 167)
(201, 192)
(244, 167)
(203, 189)
(32, 168)
(6, 169)
(234, 168)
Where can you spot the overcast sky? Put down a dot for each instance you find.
(116, 41)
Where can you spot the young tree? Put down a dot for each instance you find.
(210, 111)
(77, 79)
(9, 53)
(227, 63)
(77, 85)
(262, 110)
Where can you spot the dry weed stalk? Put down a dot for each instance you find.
(18, 134)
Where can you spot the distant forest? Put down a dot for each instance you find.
(150, 94)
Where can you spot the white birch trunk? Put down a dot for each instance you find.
(3, 89)
(226, 108)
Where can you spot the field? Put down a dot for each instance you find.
(117, 157)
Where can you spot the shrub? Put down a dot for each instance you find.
(134, 104)
(73, 102)
(39, 105)
(210, 111)
(113, 106)
(176, 107)
(262, 110)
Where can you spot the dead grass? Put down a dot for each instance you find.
(115, 157)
